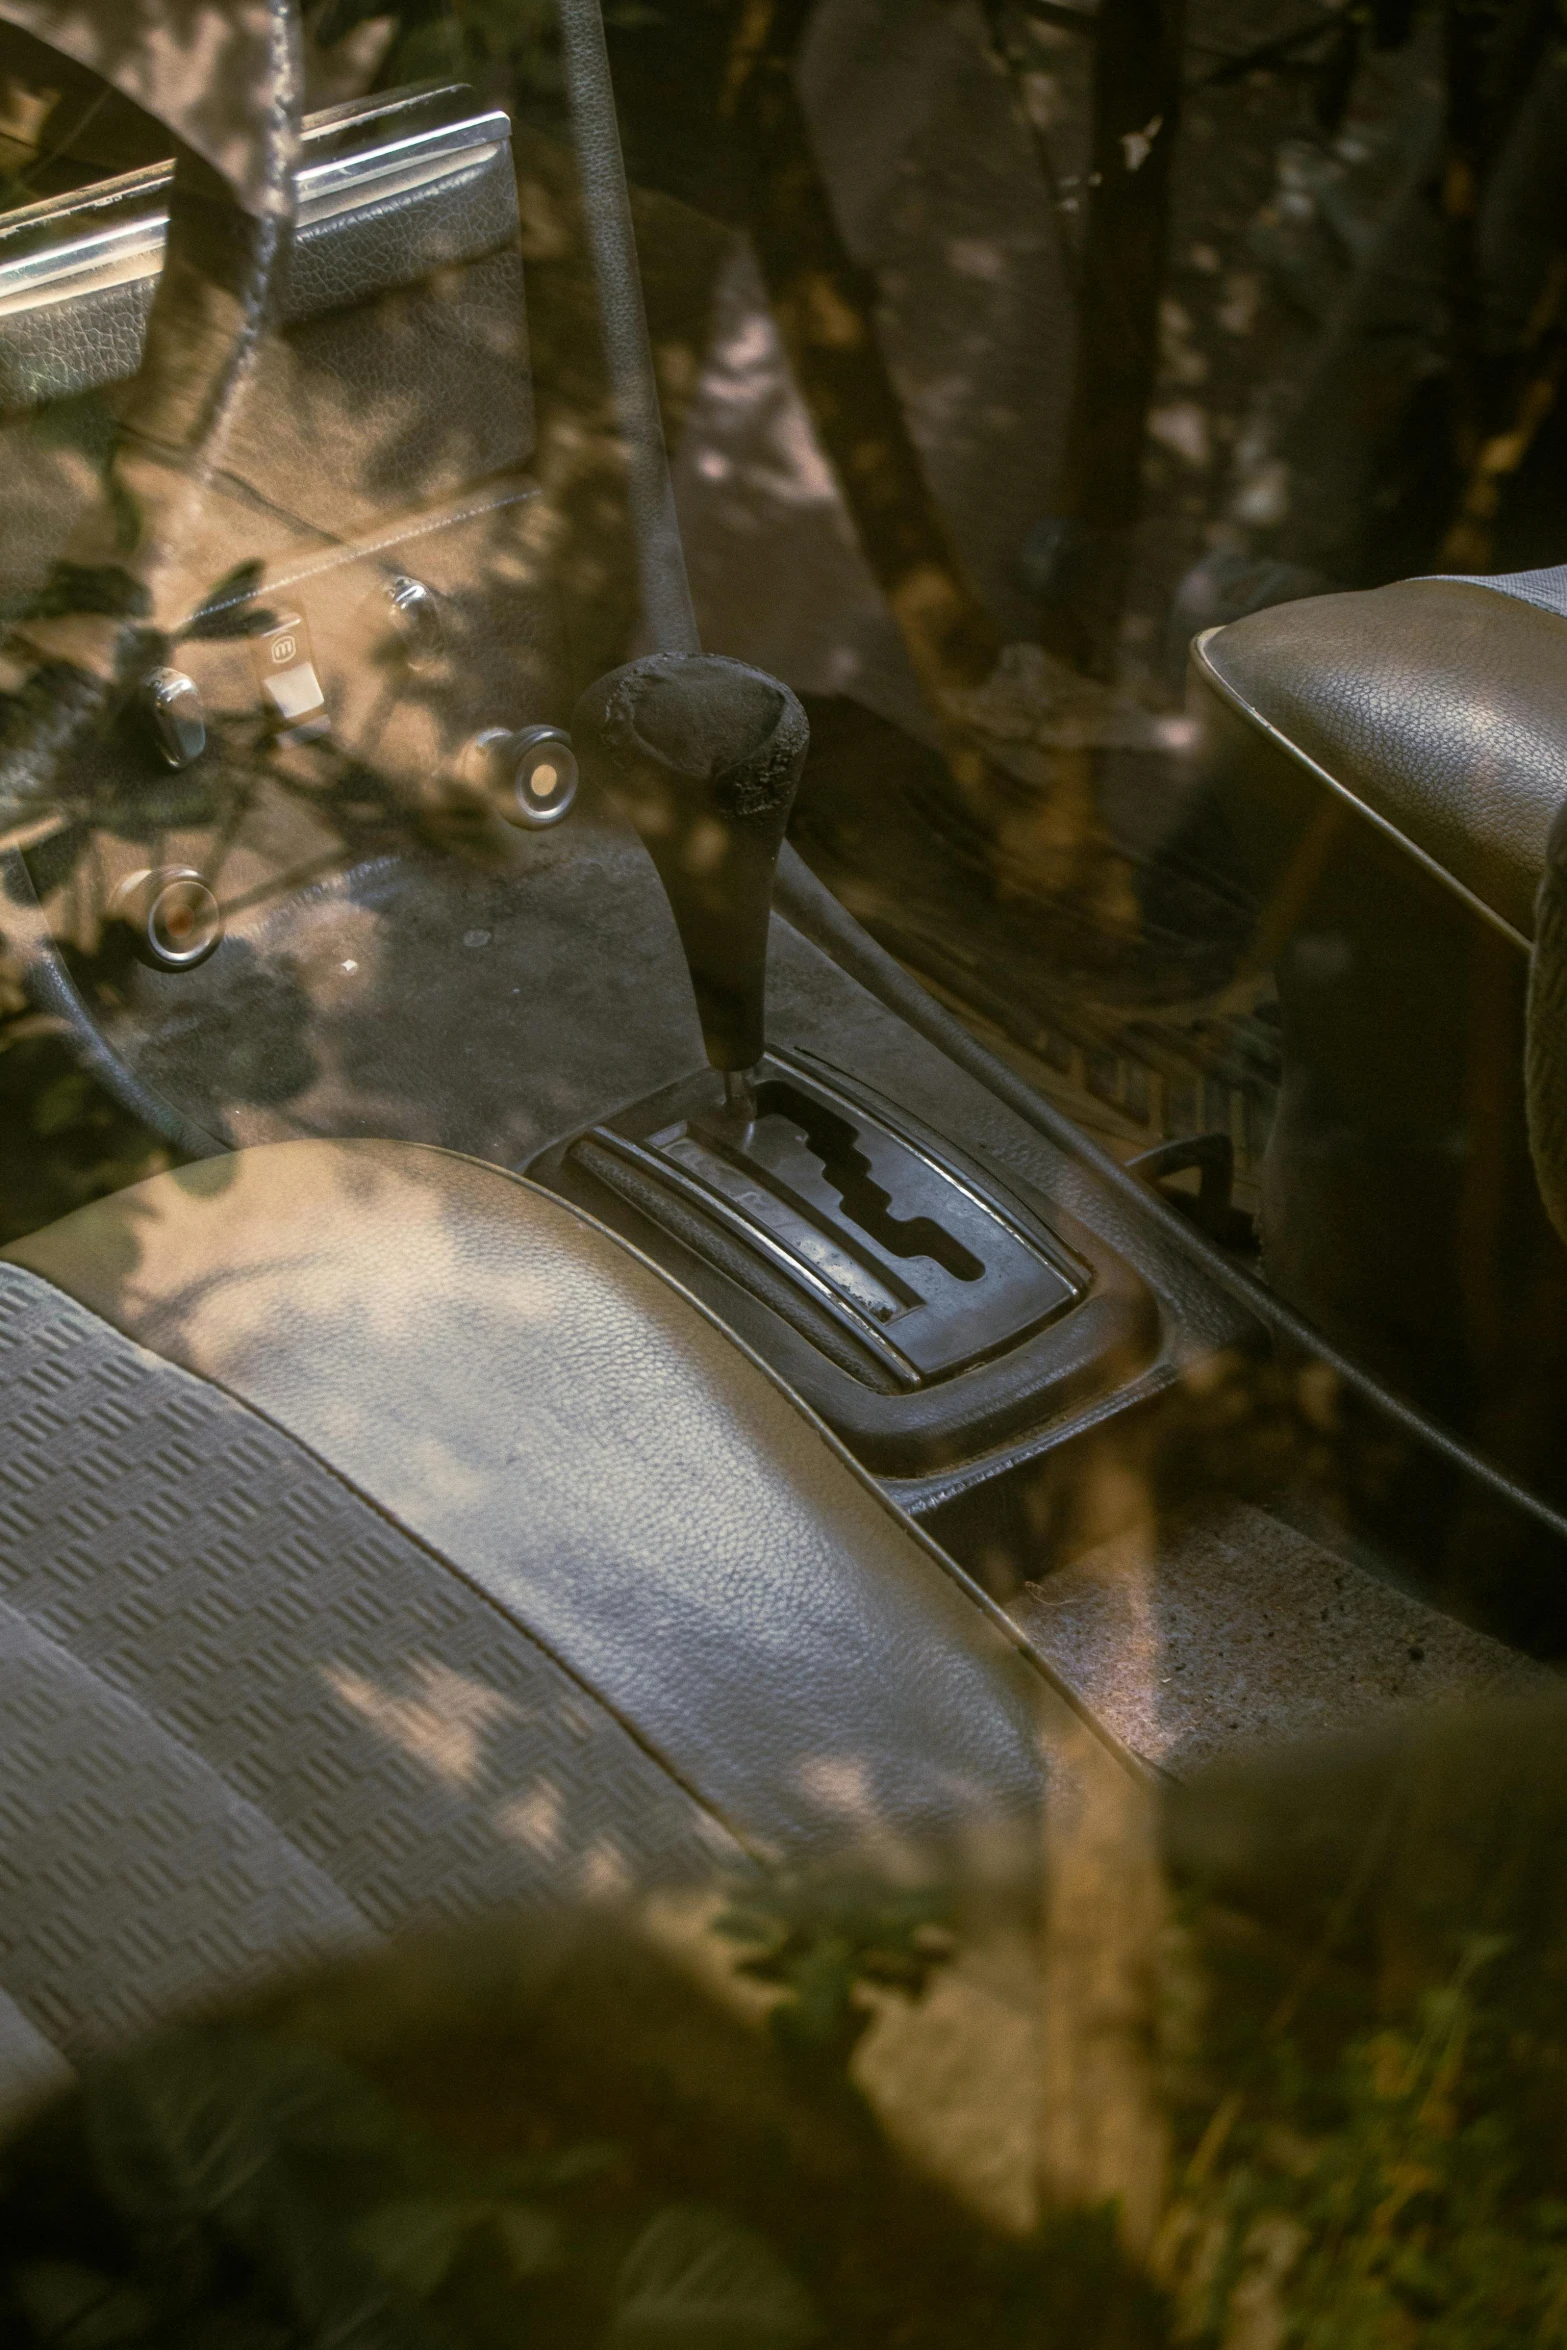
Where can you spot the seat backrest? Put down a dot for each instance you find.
(1391, 764)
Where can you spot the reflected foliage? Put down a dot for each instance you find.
(1384, 2186)
(63, 1139)
(555, 2135)
(820, 1944)
(436, 2150)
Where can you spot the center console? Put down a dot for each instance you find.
(928, 1309)
(926, 1312)
(609, 1005)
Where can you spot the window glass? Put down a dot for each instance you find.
(783, 1168)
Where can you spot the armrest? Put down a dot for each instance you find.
(1437, 707)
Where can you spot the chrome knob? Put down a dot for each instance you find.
(416, 616)
(174, 920)
(171, 707)
(528, 777)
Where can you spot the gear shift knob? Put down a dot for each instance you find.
(704, 755)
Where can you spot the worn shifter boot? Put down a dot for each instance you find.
(704, 755)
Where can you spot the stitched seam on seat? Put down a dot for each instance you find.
(995, 1616)
(419, 1542)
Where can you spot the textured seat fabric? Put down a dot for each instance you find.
(1438, 705)
(243, 1715)
(379, 1538)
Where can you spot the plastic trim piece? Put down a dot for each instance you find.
(133, 248)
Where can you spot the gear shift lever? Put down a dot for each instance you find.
(704, 756)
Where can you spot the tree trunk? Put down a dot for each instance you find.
(1137, 96)
(824, 303)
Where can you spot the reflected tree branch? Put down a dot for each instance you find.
(824, 303)
(1137, 107)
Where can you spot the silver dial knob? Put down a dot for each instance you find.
(416, 616)
(528, 776)
(171, 707)
(174, 920)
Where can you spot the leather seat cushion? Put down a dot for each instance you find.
(382, 1537)
(1438, 705)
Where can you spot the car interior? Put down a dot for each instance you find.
(617, 1372)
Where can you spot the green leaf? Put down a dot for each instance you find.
(188, 2124)
(534, 2174)
(195, 2140)
(414, 2242)
(531, 2237)
(61, 1104)
(821, 1937)
(79, 2308)
(695, 2280)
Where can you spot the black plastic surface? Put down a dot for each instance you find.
(991, 1312)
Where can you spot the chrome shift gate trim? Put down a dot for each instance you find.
(927, 1270)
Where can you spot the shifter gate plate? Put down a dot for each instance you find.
(928, 1270)
(776, 1215)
